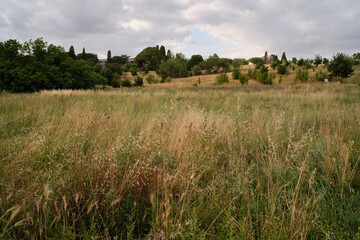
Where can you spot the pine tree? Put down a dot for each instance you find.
(72, 52)
(83, 52)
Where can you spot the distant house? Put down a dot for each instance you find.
(131, 60)
(102, 62)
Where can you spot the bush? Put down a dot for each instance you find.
(302, 75)
(133, 70)
(236, 73)
(222, 78)
(320, 76)
(196, 70)
(116, 81)
(166, 80)
(244, 79)
(264, 77)
(139, 81)
(281, 69)
(125, 83)
(151, 79)
(252, 73)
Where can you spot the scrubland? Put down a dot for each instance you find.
(253, 162)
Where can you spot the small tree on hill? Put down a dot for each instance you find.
(283, 58)
(341, 66)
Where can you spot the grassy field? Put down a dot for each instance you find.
(253, 162)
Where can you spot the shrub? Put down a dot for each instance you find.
(125, 83)
(196, 70)
(281, 69)
(222, 78)
(166, 80)
(133, 70)
(302, 75)
(252, 73)
(139, 81)
(236, 73)
(151, 79)
(264, 77)
(320, 76)
(244, 78)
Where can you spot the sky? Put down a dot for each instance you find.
(230, 28)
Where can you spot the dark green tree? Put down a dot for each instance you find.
(151, 56)
(194, 60)
(283, 58)
(72, 52)
(162, 53)
(108, 59)
(341, 66)
(317, 60)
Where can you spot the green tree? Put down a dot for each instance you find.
(196, 70)
(120, 59)
(162, 53)
(72, 52)
(282, 69)
(151, 56)
(194, 60)
(108, 59)
(222, 78)
(236, 73)
(283, 58)
(172, 68)
(108, 74)
(341, 66)
(318, 60)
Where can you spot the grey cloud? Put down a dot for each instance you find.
(300, 28)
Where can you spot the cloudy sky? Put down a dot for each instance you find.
(230, 28)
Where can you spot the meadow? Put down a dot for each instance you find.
(211, 162)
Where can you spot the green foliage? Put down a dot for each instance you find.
(72, 52)
(151, 79)
(139, 81)
(282, 69)
(107, 73)
(244, 78)
(196, 70)
(300, 63)
(264, 77)
(214, 64)
(252, 73)
(221, 79)
(125, 83)
(134, 70)
(116, 81)
(257, 61)
(151, 56)
(98, 68)
(283, 58)
(321, 75)
(236, 73)
(120, 59)
(114, 67)
(356, 58)
(194, 61)
(318, 60)
(341, 66)
(166, 80)
(302, 75)
(172, 68)
(239, 61)
(162, 53)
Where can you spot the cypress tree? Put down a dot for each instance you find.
(72, 52)
(162, 53)
(109, 57)
(83, 52)
(283, 57)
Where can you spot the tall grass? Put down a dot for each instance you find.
(252, 163)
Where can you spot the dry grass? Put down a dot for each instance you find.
(252, 162)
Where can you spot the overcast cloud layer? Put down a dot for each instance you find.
(301, 28)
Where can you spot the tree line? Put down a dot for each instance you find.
(37, 65)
